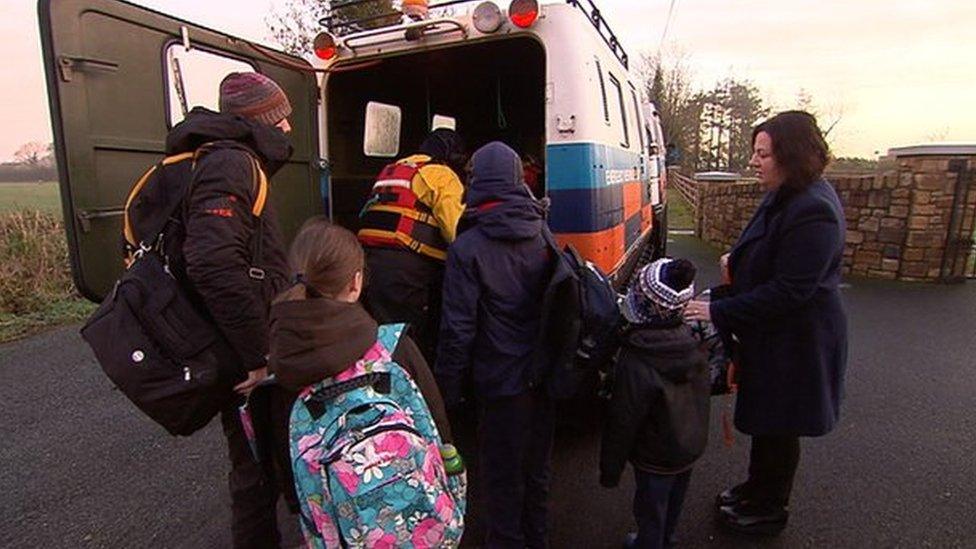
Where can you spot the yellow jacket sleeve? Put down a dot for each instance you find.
(441, 189)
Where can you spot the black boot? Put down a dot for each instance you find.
(754, 518)
(733, 496)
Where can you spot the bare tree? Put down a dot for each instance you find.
(667, 82)
(828, 116)
(35, 154)
(295, 25)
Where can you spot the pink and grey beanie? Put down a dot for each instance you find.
(660, 291)
(255, 96)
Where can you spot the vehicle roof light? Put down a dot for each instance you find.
(414, 9)
(487, 17)
(325, 46)
(523, 13)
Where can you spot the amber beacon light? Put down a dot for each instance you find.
(414, 9)
(523, 13)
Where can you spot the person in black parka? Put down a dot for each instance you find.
(786, 312)
(233, 264)
(658, 414)
(496, 274)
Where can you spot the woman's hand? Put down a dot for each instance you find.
(698, 310)
(723, 265)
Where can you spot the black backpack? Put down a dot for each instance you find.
(580, 321)
(149, 335)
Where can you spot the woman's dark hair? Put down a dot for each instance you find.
(798, 146)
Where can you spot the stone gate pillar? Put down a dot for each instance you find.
(941, 211)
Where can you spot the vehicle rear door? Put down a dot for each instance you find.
(115, 91)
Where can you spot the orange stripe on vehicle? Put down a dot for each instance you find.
(603, 248)
(647, 218)
(632, 198)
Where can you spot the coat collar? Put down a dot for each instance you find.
(757, 225)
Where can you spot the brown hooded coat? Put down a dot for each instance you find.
(312, 339)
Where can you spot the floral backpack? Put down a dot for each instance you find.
(366, 456)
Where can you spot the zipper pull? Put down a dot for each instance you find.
(186, 373)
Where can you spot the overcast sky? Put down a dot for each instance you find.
(895, 72)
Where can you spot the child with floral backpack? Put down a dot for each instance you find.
(367, 430)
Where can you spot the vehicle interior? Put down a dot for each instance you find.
(494, 90)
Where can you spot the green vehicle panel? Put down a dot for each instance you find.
(108, 87)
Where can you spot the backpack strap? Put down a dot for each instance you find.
(128, 232)
(261, 183)
(389, 336)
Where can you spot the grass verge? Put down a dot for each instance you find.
(55, 313)
(679, 212)
(36, 290)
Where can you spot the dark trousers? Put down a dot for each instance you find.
(657, 507)
(772, 466)
(256, 484)
(404, 286)
(515, 442)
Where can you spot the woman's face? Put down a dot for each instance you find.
(767, 170)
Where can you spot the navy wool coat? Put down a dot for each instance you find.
(786, 311)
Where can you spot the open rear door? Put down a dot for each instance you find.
(112, 87)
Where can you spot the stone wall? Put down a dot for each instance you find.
(899, 219)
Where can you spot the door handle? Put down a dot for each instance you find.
(85, 217)
(71, 63)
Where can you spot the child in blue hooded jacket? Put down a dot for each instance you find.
(495, 274)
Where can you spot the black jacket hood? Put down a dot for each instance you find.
(202, 126)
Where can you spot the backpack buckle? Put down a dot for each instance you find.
(256, 273)
(141, 251)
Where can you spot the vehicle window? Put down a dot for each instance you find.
(621, 111)
(603, 91)
(193, 78)
(637, 118)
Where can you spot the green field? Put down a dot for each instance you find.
(42, 196)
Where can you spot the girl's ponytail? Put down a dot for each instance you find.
(326, 256)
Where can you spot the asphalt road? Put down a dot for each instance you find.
(80, 468)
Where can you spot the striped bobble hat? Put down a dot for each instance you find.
(255, 96)
(660, 291)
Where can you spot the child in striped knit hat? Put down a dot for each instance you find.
(658, 414)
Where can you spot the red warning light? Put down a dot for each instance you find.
(325, 46)
(523, 13)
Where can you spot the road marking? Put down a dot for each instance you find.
(682, 232)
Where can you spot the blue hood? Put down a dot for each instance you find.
(497, 200)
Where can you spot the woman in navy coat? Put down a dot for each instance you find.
(785, 312)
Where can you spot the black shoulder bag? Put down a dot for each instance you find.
(167, 357)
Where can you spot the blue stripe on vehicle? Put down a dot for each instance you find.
(586, 210)
(585, 165)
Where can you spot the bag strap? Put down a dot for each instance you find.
(257, 247)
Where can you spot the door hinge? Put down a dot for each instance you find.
(69, 64)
